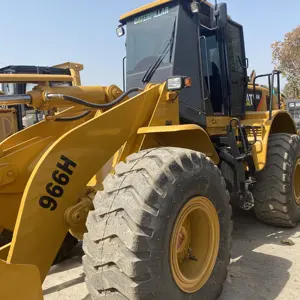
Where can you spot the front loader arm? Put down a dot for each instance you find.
(20, 152)
(19, 155)
(62, 173)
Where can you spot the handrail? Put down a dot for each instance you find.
(34, 78)
(271, 89)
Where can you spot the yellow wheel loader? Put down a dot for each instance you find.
(180, 144)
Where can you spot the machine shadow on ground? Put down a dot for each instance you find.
(73, 261)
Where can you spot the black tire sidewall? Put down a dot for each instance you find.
(207, 182)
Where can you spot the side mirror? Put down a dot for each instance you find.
(219, 15)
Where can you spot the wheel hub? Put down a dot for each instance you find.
(194, 244)
(183, 241)
(297, 182)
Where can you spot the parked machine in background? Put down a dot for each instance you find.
(22, 115)
(8, 121)
(293, 107)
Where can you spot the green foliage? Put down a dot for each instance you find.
(287, 59)
(291, 91)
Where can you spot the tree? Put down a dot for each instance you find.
(291, 91)
(287, 59)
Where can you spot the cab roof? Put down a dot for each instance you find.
(138, 10)
(146, 7)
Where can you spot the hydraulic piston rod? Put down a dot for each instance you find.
(39, 97)
(14, 99)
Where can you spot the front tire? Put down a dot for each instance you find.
(139, 219)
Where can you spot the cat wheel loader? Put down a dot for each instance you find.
(179, 148)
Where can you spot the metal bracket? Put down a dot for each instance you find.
(75, 216)
(8, 174)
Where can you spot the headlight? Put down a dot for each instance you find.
(195, 7)
(120, 31)
(178, 83)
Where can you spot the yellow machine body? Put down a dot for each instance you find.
(48, 170)
(45, 168)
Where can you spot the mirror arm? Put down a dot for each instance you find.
(210, 29)
(241, 64)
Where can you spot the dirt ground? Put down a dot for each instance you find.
(262, 268)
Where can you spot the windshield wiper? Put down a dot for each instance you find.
(153, 67)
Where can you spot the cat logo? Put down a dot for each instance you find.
(151, 15)
(250, 98)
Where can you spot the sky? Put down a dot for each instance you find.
(39, 32)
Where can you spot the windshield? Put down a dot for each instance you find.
(148, 36)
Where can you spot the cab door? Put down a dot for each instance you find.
(237, 67)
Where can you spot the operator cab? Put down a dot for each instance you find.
(170, 38)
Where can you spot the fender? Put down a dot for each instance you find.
(189, 136)
(281, 122)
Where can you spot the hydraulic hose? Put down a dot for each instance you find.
(95, 105)
(68, 119)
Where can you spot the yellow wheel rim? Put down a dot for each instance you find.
(194, 244)
(297, 182)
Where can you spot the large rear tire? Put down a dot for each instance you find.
(277, 191)
(144, 234)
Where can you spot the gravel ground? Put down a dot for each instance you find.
(262, 267)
